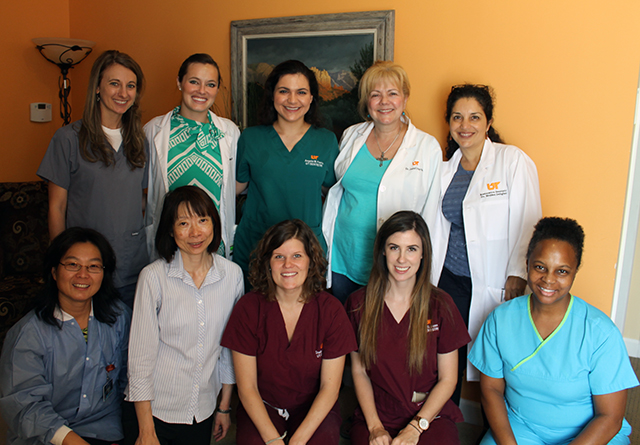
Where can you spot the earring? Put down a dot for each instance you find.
(97, 98)
(179, 88)
(368, 116)
(403, 113)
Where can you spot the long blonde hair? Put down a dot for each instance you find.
(421, 296)
(93, 144)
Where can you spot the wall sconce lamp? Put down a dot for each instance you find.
(65, 53)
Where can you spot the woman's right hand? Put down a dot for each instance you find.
(379, 436)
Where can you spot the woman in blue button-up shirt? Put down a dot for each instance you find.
(63, 366)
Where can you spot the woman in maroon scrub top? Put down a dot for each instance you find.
(405, 369)
(289, 340)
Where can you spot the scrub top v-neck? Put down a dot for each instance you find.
(289, 371)
(283, 184)
(550, 382)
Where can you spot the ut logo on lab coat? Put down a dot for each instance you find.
(493, 185)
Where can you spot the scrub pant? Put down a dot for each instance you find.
(328, 432)
(441, 431)
(342, 286)
(460, 290)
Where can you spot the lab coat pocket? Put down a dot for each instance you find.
(495, 217)
(497, 296)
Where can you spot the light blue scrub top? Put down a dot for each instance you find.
(551, 392)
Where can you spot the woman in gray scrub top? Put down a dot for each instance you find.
(97, 167)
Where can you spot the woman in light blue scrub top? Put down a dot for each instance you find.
(555, 369)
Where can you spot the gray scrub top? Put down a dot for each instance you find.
(104, 198)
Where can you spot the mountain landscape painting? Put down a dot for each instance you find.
(337, 60)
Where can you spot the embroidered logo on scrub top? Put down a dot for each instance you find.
(314, 162)
(415, 165)
(319, 353)
(494, 190)
(432, 327)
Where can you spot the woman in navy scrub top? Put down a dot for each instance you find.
(289, 339)
(286, 162)
(97, 167)
(409, 331)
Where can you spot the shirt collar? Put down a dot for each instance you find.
(64, 316)
(177, 270)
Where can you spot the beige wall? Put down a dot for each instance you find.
(565, 74)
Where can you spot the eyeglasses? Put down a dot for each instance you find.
(91, 268)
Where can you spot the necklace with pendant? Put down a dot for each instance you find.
(382, 158)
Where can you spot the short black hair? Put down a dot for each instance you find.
(105, 306)
(267, 114)
(562, 229)
(198, 202)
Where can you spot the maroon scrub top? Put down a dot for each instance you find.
(392, 384)
(289, 373)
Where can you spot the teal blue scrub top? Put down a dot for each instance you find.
(550, 393)
(356, 222)
(283, 184)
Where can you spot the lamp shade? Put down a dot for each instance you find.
(64, 52)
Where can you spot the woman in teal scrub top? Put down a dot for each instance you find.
(286, 162)
(555, 369)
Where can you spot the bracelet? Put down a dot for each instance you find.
(277, 438)
(223, 411)
(417, 429)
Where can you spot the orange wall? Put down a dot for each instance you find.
(565, 74)
(27, 77)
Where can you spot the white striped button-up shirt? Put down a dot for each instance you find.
(175, 357)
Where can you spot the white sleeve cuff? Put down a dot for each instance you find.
(59, 436)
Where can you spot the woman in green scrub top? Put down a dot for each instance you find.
(190, 145)
(286, 162)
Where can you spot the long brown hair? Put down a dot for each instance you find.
(93, 144)
(421, 296)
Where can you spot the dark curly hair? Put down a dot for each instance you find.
(563, 229)
(267, 114)
(105, 301)
(484, 95)
(260, 266)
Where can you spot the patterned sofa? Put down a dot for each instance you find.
(24, 237)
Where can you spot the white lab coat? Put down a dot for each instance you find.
(157, 131)
(411, 181)
(499, 211)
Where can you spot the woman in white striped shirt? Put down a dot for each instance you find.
(183, 301)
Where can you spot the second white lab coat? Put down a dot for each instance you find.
(500, 209)
(411, 182)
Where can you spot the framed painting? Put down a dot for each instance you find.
(337, 47)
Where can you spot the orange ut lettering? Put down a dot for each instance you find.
(493, 185)
(415, 162)
(314, 157)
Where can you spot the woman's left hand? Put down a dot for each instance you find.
(221, 426)
(514, 287)
(408, 436)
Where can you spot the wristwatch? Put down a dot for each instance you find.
(423, 423)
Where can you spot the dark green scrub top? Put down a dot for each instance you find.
(283, 184)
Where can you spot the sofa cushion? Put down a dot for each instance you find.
(24, 232)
